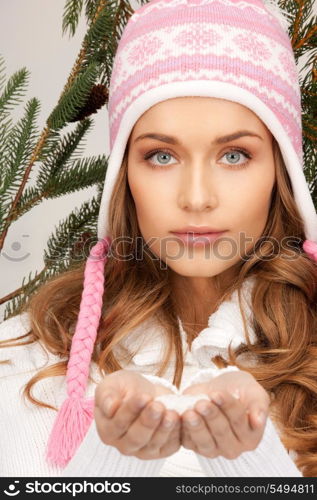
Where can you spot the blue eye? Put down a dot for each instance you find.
(154, 153)
(232, 152)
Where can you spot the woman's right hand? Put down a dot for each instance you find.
(128, 423)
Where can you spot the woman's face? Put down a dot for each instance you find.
(201, 179)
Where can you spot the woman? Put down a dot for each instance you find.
(184, 318)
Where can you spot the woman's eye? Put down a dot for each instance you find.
(232, 155)
(161, 155)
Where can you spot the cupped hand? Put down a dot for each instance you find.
(230, 428)
(127, 417)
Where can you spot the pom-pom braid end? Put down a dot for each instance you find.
(70, 427)
(76, 413)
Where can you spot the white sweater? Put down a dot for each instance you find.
(25, 428)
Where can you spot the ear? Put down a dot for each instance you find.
(310, 247)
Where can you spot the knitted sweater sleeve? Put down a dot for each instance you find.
(96, 459)
(269, 459)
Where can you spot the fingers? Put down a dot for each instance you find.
(229, 424)
(259, 411)
(197, 435)
(237, 415)
(186, 438)
(173, 441)
(142, 429)
(120, 416)
(165, 438)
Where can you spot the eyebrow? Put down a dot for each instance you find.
(218, 140)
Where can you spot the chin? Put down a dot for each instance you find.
(198, 269)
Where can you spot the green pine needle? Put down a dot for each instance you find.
(74, 99)
(71, 15)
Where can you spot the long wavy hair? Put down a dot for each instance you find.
(284, 302)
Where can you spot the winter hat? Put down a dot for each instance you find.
(237, 50)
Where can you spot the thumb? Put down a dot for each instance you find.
(257, 415)
(108, 394)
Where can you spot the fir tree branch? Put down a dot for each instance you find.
(69, 146)
(309, 36)
(81, 56)
(20, 290)
(74, 98)
(79, 178)
(2, 73)
(84, 173)
(26, 175)
(60, 256)
(13, 91)
(42, 139)
(19, 145)
(19, 300)
(72, 11)
(68, 232)
(90, 10)
(12, 94)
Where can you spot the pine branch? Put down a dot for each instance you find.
(21, 140)
(19, 145)
(112, 23)
(90, 10)
(84, 173)
(21, 296)
(105, 28)
(42, 140)
(11, 95)
(10, 217)
(60, 255)
(68, 147)
(20, 290)
(303, 36)
(73, 9)
(71, 15)
(81, 56)
(13, 92)
(79, 174)
(67, 234)
(2, 73)
(74, 98)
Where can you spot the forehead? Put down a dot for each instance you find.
(183, 116)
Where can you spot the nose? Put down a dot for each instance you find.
(196, 189)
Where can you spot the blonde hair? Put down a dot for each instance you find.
(283, 303)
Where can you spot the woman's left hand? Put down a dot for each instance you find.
(231, 428)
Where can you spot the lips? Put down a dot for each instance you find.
(200, 239)
(198, 230)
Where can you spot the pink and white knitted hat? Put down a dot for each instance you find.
(237, 50)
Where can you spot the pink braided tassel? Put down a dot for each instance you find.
(310, 247)
(76, 413)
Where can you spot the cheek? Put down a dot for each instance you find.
(149, 198)
(252, 202)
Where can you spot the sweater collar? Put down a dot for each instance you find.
(225, 325)
(148, 340)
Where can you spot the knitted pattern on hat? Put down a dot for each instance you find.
(224, 40)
